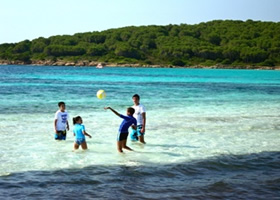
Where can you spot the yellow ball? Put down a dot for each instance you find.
(101, 94)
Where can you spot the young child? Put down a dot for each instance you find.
(79, 133)
(128, 121)
(61, 122)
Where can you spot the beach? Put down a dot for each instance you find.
(86, 63)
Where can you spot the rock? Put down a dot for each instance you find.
(69, 64)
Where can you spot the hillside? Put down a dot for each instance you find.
(225, 43)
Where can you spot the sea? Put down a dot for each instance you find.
(210, 134)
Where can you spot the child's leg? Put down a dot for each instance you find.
(125, 147)
(119, 146)
(84, 145)
(76, 146)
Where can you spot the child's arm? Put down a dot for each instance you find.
(134, 124)
(118, 114)
(133, 127)
(85, 133)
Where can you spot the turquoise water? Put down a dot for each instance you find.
(205, 130)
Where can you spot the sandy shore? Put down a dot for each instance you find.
(95, 63)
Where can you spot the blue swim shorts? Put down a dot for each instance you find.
(79, 141)
(61, 135)
(136, 133)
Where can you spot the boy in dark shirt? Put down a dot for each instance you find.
(128, 121)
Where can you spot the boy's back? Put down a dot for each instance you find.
(126, 123)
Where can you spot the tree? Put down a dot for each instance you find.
(60, 50)
(127, 51)
(22, 47)
(231, 53)
(229, 42)
(97, 38)
(253, 55)
(178, 62)
(38, 47)
(214, 38)
(96, 50)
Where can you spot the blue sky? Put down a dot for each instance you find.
(30, 19)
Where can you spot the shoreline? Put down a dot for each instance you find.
(95, 63)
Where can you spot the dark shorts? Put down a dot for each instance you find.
(61, 135)
(122, 136)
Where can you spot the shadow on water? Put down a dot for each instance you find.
(252, 176)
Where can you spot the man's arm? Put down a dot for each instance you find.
(55, 121)
(144, 122)
(67, 125)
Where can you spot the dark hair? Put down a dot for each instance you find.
(76, 119)
(60, 103)
(131, 110)
(137, 96)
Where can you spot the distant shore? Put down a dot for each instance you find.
(95, 63)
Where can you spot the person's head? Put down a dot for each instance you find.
(130, 111)
(77, 120)
(136, 99)
(62, 106)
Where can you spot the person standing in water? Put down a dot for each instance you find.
(61, 122)
(79, 133)
(140, 116)
(128, 121)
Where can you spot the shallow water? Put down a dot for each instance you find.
(210, 134)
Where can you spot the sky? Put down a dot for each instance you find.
(31, 19)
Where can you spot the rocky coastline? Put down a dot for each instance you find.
(95, 63)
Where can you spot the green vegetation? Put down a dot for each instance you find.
(232, 43)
